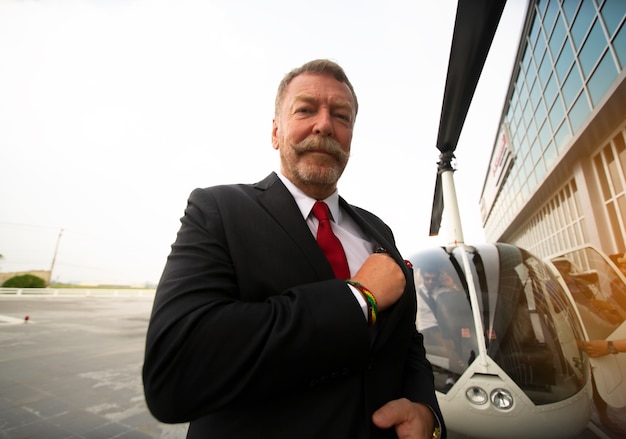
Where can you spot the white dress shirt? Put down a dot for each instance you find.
(355, 242)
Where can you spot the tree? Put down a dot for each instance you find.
(25, 281)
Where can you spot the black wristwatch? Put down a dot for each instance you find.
(611, 347)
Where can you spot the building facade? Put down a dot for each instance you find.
(557, 173)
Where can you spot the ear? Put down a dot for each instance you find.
(275, 143)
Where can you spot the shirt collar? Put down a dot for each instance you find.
(305, 203)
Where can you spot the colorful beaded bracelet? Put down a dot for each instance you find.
(372, 305)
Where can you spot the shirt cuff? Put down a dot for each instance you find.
(362, 302)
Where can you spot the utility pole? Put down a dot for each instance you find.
(54, 258)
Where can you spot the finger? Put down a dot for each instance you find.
(389, 414)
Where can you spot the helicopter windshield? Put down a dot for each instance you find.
(530, 328)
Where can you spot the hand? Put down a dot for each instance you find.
(602, 305)
(596, 348)
(383, 277)
(411, 420)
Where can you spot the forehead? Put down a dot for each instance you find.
(319, 86)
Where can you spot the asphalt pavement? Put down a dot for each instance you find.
(70, 368)
(73, 369)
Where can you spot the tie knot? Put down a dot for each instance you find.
(321, 211)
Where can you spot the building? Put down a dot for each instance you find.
(556, 178)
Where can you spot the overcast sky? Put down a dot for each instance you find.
(113, 111)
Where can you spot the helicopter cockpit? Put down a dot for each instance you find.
(526, 324)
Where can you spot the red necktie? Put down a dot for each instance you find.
(329, 243)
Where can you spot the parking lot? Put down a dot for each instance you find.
(73, 369)
(70, 367)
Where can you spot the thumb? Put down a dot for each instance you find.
(388, 415)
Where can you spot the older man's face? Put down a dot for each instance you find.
(313, 132)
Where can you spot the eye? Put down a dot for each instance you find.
(343, 116)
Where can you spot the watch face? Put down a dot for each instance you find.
(612, 349)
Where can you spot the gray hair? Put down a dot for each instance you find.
(315, 66)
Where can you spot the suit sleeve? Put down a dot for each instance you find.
(207, 349)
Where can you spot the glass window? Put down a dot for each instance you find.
(593, 48)
(541, 6)
(540, 46)
(569, 9)
(604, 184)
(564, 62)
(562, 136)
(591, 282)
(545, 69)
(517, 137)
(524, 167)
(526, 60)
(524, 143)
(540, 169)
(621, 204)
(530, 77)
(535, 303)
(558, 35)
(572, 87)
(540, 112)
(528, 114)
(579, 112)
(535, 153)
(613, 221)
(445, 317)
(531, 180)
(535, 94)
(532, 36)
(621, 150)
(556, 113)
(619, 43)
(545, 135)
(602, 78)
(582, 22)
(614, 171)
(523, 90)
(549, 16)
(612, 12)
(549, 155)
(550, 91)
(517, 114)
(531, 131)
(514, 97)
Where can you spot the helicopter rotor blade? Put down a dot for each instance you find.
(437, 210)
(474, 28)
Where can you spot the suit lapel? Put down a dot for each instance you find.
(276, 199)
(379, 236)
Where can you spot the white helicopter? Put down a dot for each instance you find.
(506, 354)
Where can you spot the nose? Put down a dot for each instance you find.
(323, 123)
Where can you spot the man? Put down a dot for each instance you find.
(427, 300)
(252, 335)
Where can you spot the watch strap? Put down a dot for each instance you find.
(611, 347)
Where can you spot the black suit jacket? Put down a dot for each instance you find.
(251, 336)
